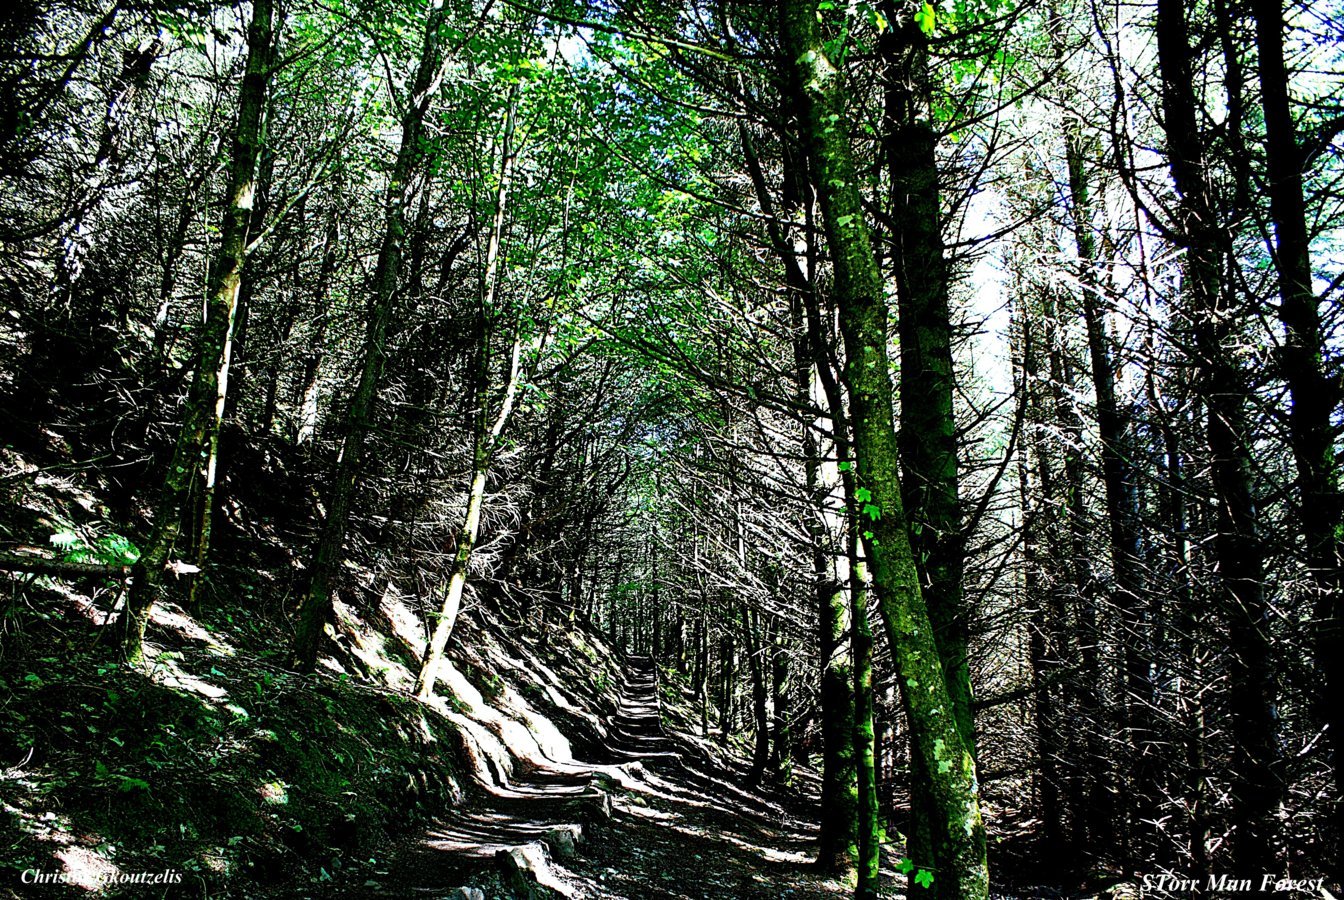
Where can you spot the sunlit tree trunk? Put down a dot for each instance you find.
(209, 386)
(485, 444)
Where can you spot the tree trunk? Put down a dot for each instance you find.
(315, 609)
(209, 384)
(486, 435)
(1257, 788)
(305, 430)
(869, 827)
(1314, 395)
(757, 642)
(1046, 648)
(781, 730)
(960, 834)
(814, 380)
(928, 432)
(1122, 511)
(726, 658)
(486, 443)
(1095, 791)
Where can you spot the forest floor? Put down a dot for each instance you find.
(249, 781)
(680, 826)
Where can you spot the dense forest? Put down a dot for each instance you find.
(903, 434)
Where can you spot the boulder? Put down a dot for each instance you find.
(526, 871)
(563, 841)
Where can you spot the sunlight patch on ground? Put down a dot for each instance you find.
(87, 869)
(174, 618)
(370, 647)
(646, 812)
(166, 671)
(768, 854)
(406, 625)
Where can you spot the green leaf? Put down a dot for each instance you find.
(863, 495)
(132, 784)
(924, 878)
(905, 866)
(926, 19)
(872, 511)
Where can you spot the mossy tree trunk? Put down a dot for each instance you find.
(193, 452)
(959, 836)
(868, 828)
(928, 434)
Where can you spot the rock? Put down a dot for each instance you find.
(563, 841)
(597, 807)
(524, 870)
(466, 893)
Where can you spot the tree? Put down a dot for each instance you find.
(193, 458)
(403, 188)
(958, 839)
(1257, 788)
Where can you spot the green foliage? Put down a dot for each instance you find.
(923, 877)
(926, 18)
(110, 549)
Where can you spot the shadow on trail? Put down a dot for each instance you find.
(655, 816)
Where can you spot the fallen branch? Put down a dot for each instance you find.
(45, 565)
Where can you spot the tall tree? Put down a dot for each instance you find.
(1315, 392)
(958, 834)
(404, 186)
(1257, 788)
(194, 453)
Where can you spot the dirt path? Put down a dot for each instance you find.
(662, 817)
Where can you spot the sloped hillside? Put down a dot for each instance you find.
(542, 764)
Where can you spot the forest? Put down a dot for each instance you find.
(671, 448)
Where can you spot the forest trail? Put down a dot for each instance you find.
(637, 728)
(666, 818)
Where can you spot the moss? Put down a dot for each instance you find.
(299, 776)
